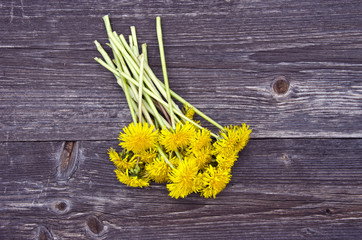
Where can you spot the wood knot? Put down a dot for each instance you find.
(68, 161)
(94, 225)
(61, 207)
(281, 85)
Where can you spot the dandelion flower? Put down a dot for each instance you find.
(198, 183)
(132, 181)
(175, 161)
(113, 155)
(244, 135)
(234, 139)
(178, 138)
(121, 163)
(202, 157)
(138, 137)
(158, 170)
(215, 180)
(226, 161)
(228, 140)
(147, 156)
(182, 179)
(201, 140)
(189, 112)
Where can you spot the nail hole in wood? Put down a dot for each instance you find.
(61, 206)
(94, 225)
(281, 85)
(328, 211)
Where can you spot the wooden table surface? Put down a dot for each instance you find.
(290, 69)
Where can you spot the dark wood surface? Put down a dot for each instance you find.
(290, 69)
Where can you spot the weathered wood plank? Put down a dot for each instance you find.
(61, 101)
(285, 188)
(222, 56)
(49, 23)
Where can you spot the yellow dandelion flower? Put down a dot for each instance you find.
(178, 138)
(147, 156)
(121, 163)
(175, 161)
(228, 141)
(132, 181)
(182, 179)
(138, 137)
(201, 140)
(219, 149)
(226, 161)
(244, 135)
(113, 155)
(189, 112)
(215, 180)
(202, 157)
(158, 170)
(198, 183)
(233, 139)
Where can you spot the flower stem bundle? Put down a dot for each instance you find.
(164, 143)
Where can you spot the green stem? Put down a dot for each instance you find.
(135, 70)
(104, 54)
(135, 43)
(201, 114)
(133, 62)
(148, 99)
(133, 92)
(149, 93)
(178, 155)
(140, 87)
(130, 58)
(107, 23)
(164, 69)
(130, 40)
(144, 51)
(164, 157)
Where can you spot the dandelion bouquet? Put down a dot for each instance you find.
(164, 143)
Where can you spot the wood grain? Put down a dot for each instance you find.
(284, 188)
(291, 69)
(223, 58)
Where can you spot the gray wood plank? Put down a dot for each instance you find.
(281, 188)
(69, 101)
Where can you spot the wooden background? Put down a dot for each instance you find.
(290, 69)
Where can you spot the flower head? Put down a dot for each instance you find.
(244, 135)
(182, 179)
(123, 163)
(226, 161)
(138, 137)
(147, 156)
(202, 139)
(189, 112)
(132, 181)
(233, 140)
(178, 138)
(198, 183)
(214, 180)
(202, 157)
(158, 170)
